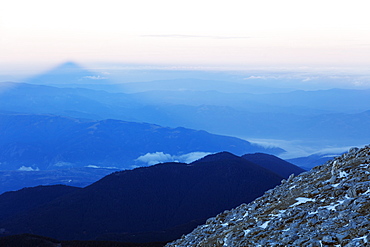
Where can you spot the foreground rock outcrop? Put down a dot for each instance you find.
(327, 206)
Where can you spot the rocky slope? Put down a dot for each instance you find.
(327, 206)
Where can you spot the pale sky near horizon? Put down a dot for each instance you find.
(230, 34)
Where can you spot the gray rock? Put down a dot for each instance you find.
(327, 206)
(327, 239)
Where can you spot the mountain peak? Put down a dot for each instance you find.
(273, 163)
(217, 156)
(327, 206)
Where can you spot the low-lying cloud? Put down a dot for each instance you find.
(94, 77)
(299, 148)
(160, 157)
(101, 167)
(28, 169)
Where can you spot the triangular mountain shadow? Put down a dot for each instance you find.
(68, 73)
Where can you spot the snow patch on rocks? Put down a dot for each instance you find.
(327, 206)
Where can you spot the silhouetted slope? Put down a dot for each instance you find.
(31, 240)
(273, 163)
(49, 142)
(149, 199)
(79, 177)
(28, 240)
(16, 202)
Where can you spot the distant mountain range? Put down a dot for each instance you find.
(49, 142)
(191, 91)
(156, 203)
(312, 160)
(328, 118)
(71, 74)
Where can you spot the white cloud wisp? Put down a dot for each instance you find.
(160, 157)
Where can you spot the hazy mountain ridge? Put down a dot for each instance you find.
(213, 92)
(290, 116)
(312, 160)
(144, 204)
(71, 74)
(50, 142)
(327, 206)
(313, 102)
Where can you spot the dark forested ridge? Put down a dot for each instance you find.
(13, 180)
(17, 202)
(273, 163)
(156, 203)
(31, 240)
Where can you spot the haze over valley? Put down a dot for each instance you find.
(311, 120)
(134, 123)
(73, 118)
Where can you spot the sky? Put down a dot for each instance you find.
(233, 34)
